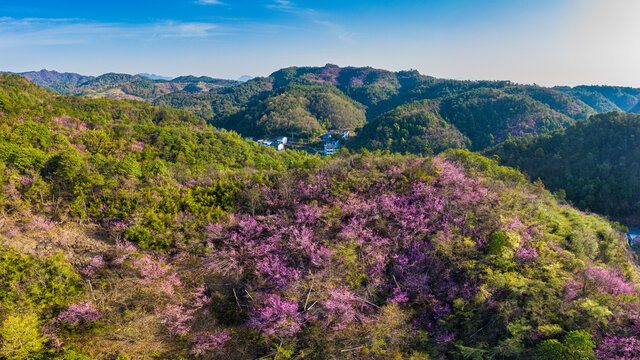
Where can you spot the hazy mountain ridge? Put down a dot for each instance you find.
(122, 86)
(155, 76)
(606, 98)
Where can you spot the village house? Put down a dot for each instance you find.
(278, 144)
(330, 147)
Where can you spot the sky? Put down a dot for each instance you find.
(547, 42)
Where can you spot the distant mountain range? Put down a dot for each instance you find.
(155, 77)
(388, 109)
(143, 87)
(244, 78)
(606, 98)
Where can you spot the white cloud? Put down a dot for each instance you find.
(209, 2)
(25, 32)
(282, 5)
(183, 30)
(336, 30)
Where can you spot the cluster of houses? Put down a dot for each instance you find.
(278, 143)
(331, 141)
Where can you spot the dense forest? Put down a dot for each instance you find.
(296, 111)
(486, 112)
(130, 231)
(594, 164)
(417, 128)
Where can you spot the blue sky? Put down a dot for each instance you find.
(550, 42)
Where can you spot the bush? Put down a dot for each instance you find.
(21, 338)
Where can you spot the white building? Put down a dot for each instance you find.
(330, 147)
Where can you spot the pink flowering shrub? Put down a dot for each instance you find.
(51, 330)
(275, 317)
(96, 263)
(177, 319)
(181, 319)
(204, 343)
(79, 315)
(137, 146)
(28, 180)
(40, 223)
(341, 308)
(526, 253)
(618, 348)
(156, 271)
(607, 280)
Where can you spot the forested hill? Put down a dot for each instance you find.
(129, 231)
(606, 98)
(595, 163)
(94, 148)
(486, 112)
(475, 119)
(303, 102)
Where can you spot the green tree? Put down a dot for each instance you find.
(577, 345)
(21, 338)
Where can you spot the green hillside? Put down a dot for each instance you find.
(297, 110)
(606, 98)
(417, 128)
(490, 116)
(595, 163)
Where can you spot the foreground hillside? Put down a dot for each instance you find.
(594, 163)
(130, 231)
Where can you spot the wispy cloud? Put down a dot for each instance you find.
(183, 30)
(209, 2)
(32, 31)
(314, 16)
(336, 30)
(283, 5)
